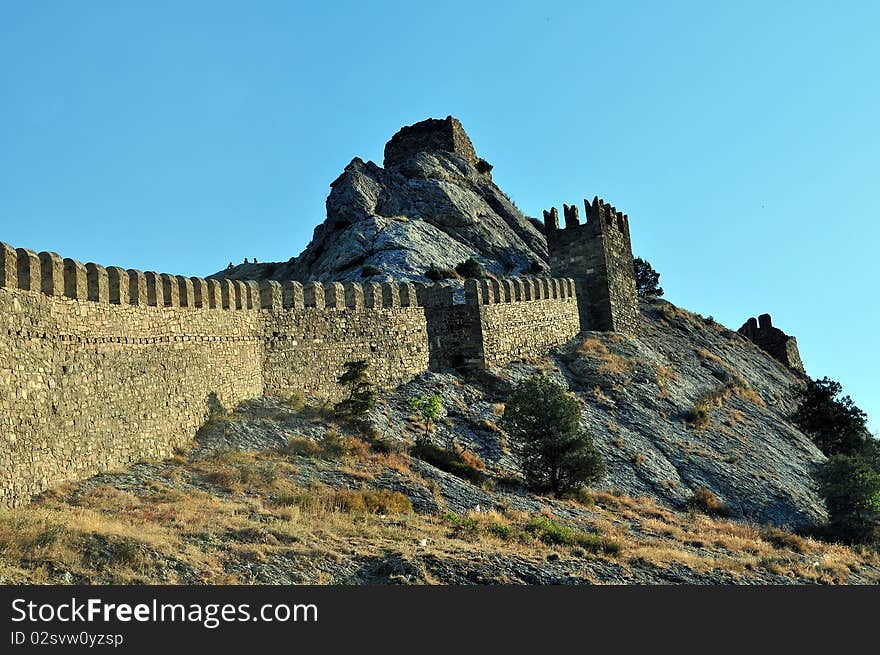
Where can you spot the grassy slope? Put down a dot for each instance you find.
(265, 516)
(276, 493)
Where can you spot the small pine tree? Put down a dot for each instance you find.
(851, 489)
(361, 396)
(542, 420)
(470, 268)
(849, 481)
(647, 279)
(429, 408)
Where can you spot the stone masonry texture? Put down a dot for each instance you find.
(431, 134)
(598, 256)
(100, 367)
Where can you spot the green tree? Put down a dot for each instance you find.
(470, 268)
(554, 453)
(429, 408)
(849, 481)
(647, 279)
(831, 420)
(851, 489)
(361, 396)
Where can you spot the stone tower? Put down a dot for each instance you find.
(430, 134)
(598, 256)
(780, 345)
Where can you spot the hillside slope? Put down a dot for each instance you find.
(637, 396)
(279, 492)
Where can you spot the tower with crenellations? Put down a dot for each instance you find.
(597, 254)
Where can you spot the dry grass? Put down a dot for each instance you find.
(609, 363)
(490, 426)
(601, 397)
(664, 375)
(251, 509)
(699, 414)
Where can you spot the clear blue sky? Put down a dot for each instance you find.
(742, 140)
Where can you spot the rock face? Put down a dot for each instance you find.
(637, 395)
(434, 202)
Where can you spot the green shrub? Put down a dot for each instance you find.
(831, 420)
(429, 408)
(370, 271)
(470, 268)
(850, 486)
(361, 396)
(553, 533)
(436, 274)
(536, 268)
(463, 527)
(461, 463)
(334, 445)
(849, 481)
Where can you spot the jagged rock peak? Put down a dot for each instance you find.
(434, 203)
(431, 134)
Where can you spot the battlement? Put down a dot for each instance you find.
(597, 255)
(777, 343)
(91, 353)
(47, 273)
(600, 216)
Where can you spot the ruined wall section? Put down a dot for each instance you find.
(598, 256)
(428, 135)
(326, 326)
(774, 341)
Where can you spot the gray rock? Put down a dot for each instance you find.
(430, 206)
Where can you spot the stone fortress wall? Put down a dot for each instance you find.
(101, 367)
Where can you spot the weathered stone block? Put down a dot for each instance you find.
(334, 295)
(8, 267)
(98, 283)
(137, 288)
(354, 295)
(201, 294)
(292, 295)
(186, 292)
(155, 289)
(76, 283)
(29, 275)
(51, 274)
(270, 295)
(170, 290)
(314, 295)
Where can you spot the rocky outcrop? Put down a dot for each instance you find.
(434, 202)
(638, 393)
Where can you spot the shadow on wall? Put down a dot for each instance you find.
(215, 407)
